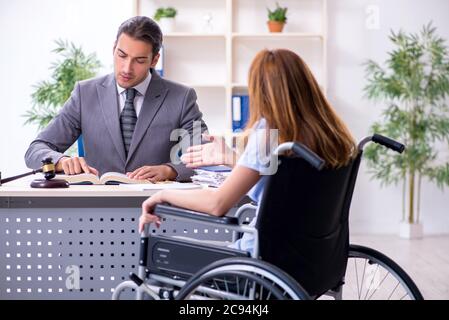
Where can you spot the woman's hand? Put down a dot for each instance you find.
(147, 215)
(216, 152)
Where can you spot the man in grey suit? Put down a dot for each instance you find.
(126, 118)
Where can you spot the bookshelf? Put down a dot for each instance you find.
(215, 60)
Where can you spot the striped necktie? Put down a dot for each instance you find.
(128, 118)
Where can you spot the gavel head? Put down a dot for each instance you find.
(48, 168)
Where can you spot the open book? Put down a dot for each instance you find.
(106, 178)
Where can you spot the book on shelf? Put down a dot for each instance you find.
(108, 178)
(240, 112)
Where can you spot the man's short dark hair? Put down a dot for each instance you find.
(144, 29)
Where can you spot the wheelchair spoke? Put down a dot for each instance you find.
(380, 284)
(261, 293)
(405, 295)
(252, 290)
(363, 278)
(373, 276)
(356, 276)
(375, 283)
(361, 282)
(391, 294)
(226, 285)
(238, 284)
(230, 276)
(246, 286)
(216, 284)
(372, 282)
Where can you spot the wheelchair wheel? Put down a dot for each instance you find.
(370, 275)
(241, 279)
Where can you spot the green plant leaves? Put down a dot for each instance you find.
(168, 12)
(278, 14)
(413, 85)
(50, 95)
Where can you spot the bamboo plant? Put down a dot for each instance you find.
(412, 87)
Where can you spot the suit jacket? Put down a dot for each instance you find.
(93, 111)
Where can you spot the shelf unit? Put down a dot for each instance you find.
(215, 60)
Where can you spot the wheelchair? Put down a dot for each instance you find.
(301, 244)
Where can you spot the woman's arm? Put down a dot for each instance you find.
(213, 201)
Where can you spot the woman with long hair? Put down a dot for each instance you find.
(286, 104)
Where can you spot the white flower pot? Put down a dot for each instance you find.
(410, 230)
(167, 25)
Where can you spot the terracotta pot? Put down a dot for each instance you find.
(275, 26)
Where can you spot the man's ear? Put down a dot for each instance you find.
(113, 47)
(155, 60)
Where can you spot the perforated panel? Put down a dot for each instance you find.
(76, 253)
(66, 253)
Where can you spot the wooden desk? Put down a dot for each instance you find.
(92, 196)
(75, 243)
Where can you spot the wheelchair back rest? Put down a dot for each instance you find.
(180, 259)
(302, 222)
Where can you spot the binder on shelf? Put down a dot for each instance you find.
(245, 110)
(236, 113)
(240, 112)
(160, 63)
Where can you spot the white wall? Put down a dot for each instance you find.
(27, 29)
(350, 43)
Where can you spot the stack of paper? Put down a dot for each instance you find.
(211, 176)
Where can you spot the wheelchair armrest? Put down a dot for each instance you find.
(168, 210)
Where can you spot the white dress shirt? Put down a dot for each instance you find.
(138, 100)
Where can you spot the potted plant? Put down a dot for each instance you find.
(277, 18)
(166, 18)
(413, 87)
(50, 96)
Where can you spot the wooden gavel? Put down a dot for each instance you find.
(49, 171)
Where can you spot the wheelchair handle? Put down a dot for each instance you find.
(389, 143)
(303, 152)
(384, 141)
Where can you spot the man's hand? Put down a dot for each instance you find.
(216, 152)
(74, 165)
(153, 173)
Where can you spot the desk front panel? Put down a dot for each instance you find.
(66, 248)
(75, 247)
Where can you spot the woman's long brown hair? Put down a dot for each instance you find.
(283, 90)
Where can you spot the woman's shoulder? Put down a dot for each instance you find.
(260, 124)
